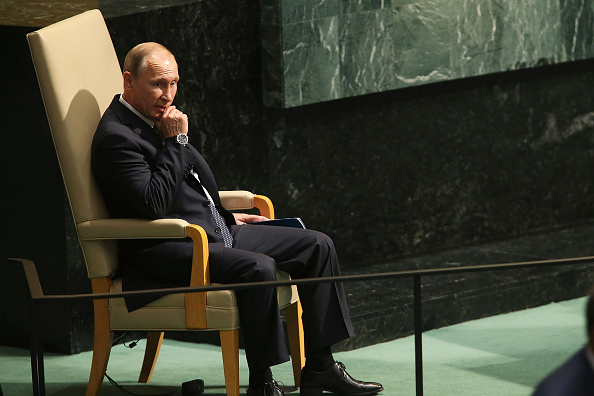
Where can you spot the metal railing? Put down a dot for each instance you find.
(37, 297)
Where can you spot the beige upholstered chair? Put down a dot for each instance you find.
(79, 74)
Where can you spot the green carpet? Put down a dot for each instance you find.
(502, 355)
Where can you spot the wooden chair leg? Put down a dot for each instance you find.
(295, 329)
(151, 353)
(103, 338)
(230, 350)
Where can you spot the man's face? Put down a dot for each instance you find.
(154, 90)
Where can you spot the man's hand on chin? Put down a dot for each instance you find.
(172, 122)
(243, 218)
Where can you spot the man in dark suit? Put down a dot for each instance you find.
(146, 168)
(576, 376)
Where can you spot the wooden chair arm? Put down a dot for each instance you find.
(243, 200)
(196, 302)
(264, 205)
(134, 228)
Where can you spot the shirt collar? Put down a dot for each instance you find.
(133, 110)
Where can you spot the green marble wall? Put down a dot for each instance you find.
(320, 50)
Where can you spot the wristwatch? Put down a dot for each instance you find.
(182, 139)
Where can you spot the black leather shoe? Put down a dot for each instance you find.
(335, 380)
(269, 389)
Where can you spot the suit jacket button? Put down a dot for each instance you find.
(218, 230)
(206, 204)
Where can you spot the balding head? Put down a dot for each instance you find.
(135, 61)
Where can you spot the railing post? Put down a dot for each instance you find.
(418, 317)
(36, 340)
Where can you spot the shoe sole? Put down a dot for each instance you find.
(320, 392)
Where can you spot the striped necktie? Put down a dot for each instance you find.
(220, 223)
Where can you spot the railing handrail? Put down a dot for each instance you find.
(33, 279)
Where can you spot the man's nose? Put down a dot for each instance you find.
(167, 94)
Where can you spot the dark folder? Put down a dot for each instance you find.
(287, 222)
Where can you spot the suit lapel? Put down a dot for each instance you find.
(135, 123)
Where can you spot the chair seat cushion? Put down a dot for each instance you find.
(169, 312)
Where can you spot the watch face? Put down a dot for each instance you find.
(182, 139)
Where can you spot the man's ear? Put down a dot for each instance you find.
(128, 79)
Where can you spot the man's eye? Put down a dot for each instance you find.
(157, 84)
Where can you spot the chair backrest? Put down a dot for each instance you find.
(79, 74)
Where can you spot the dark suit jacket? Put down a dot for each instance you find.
(574, 378)
(142, 178)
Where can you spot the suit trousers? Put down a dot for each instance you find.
(257, 252)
